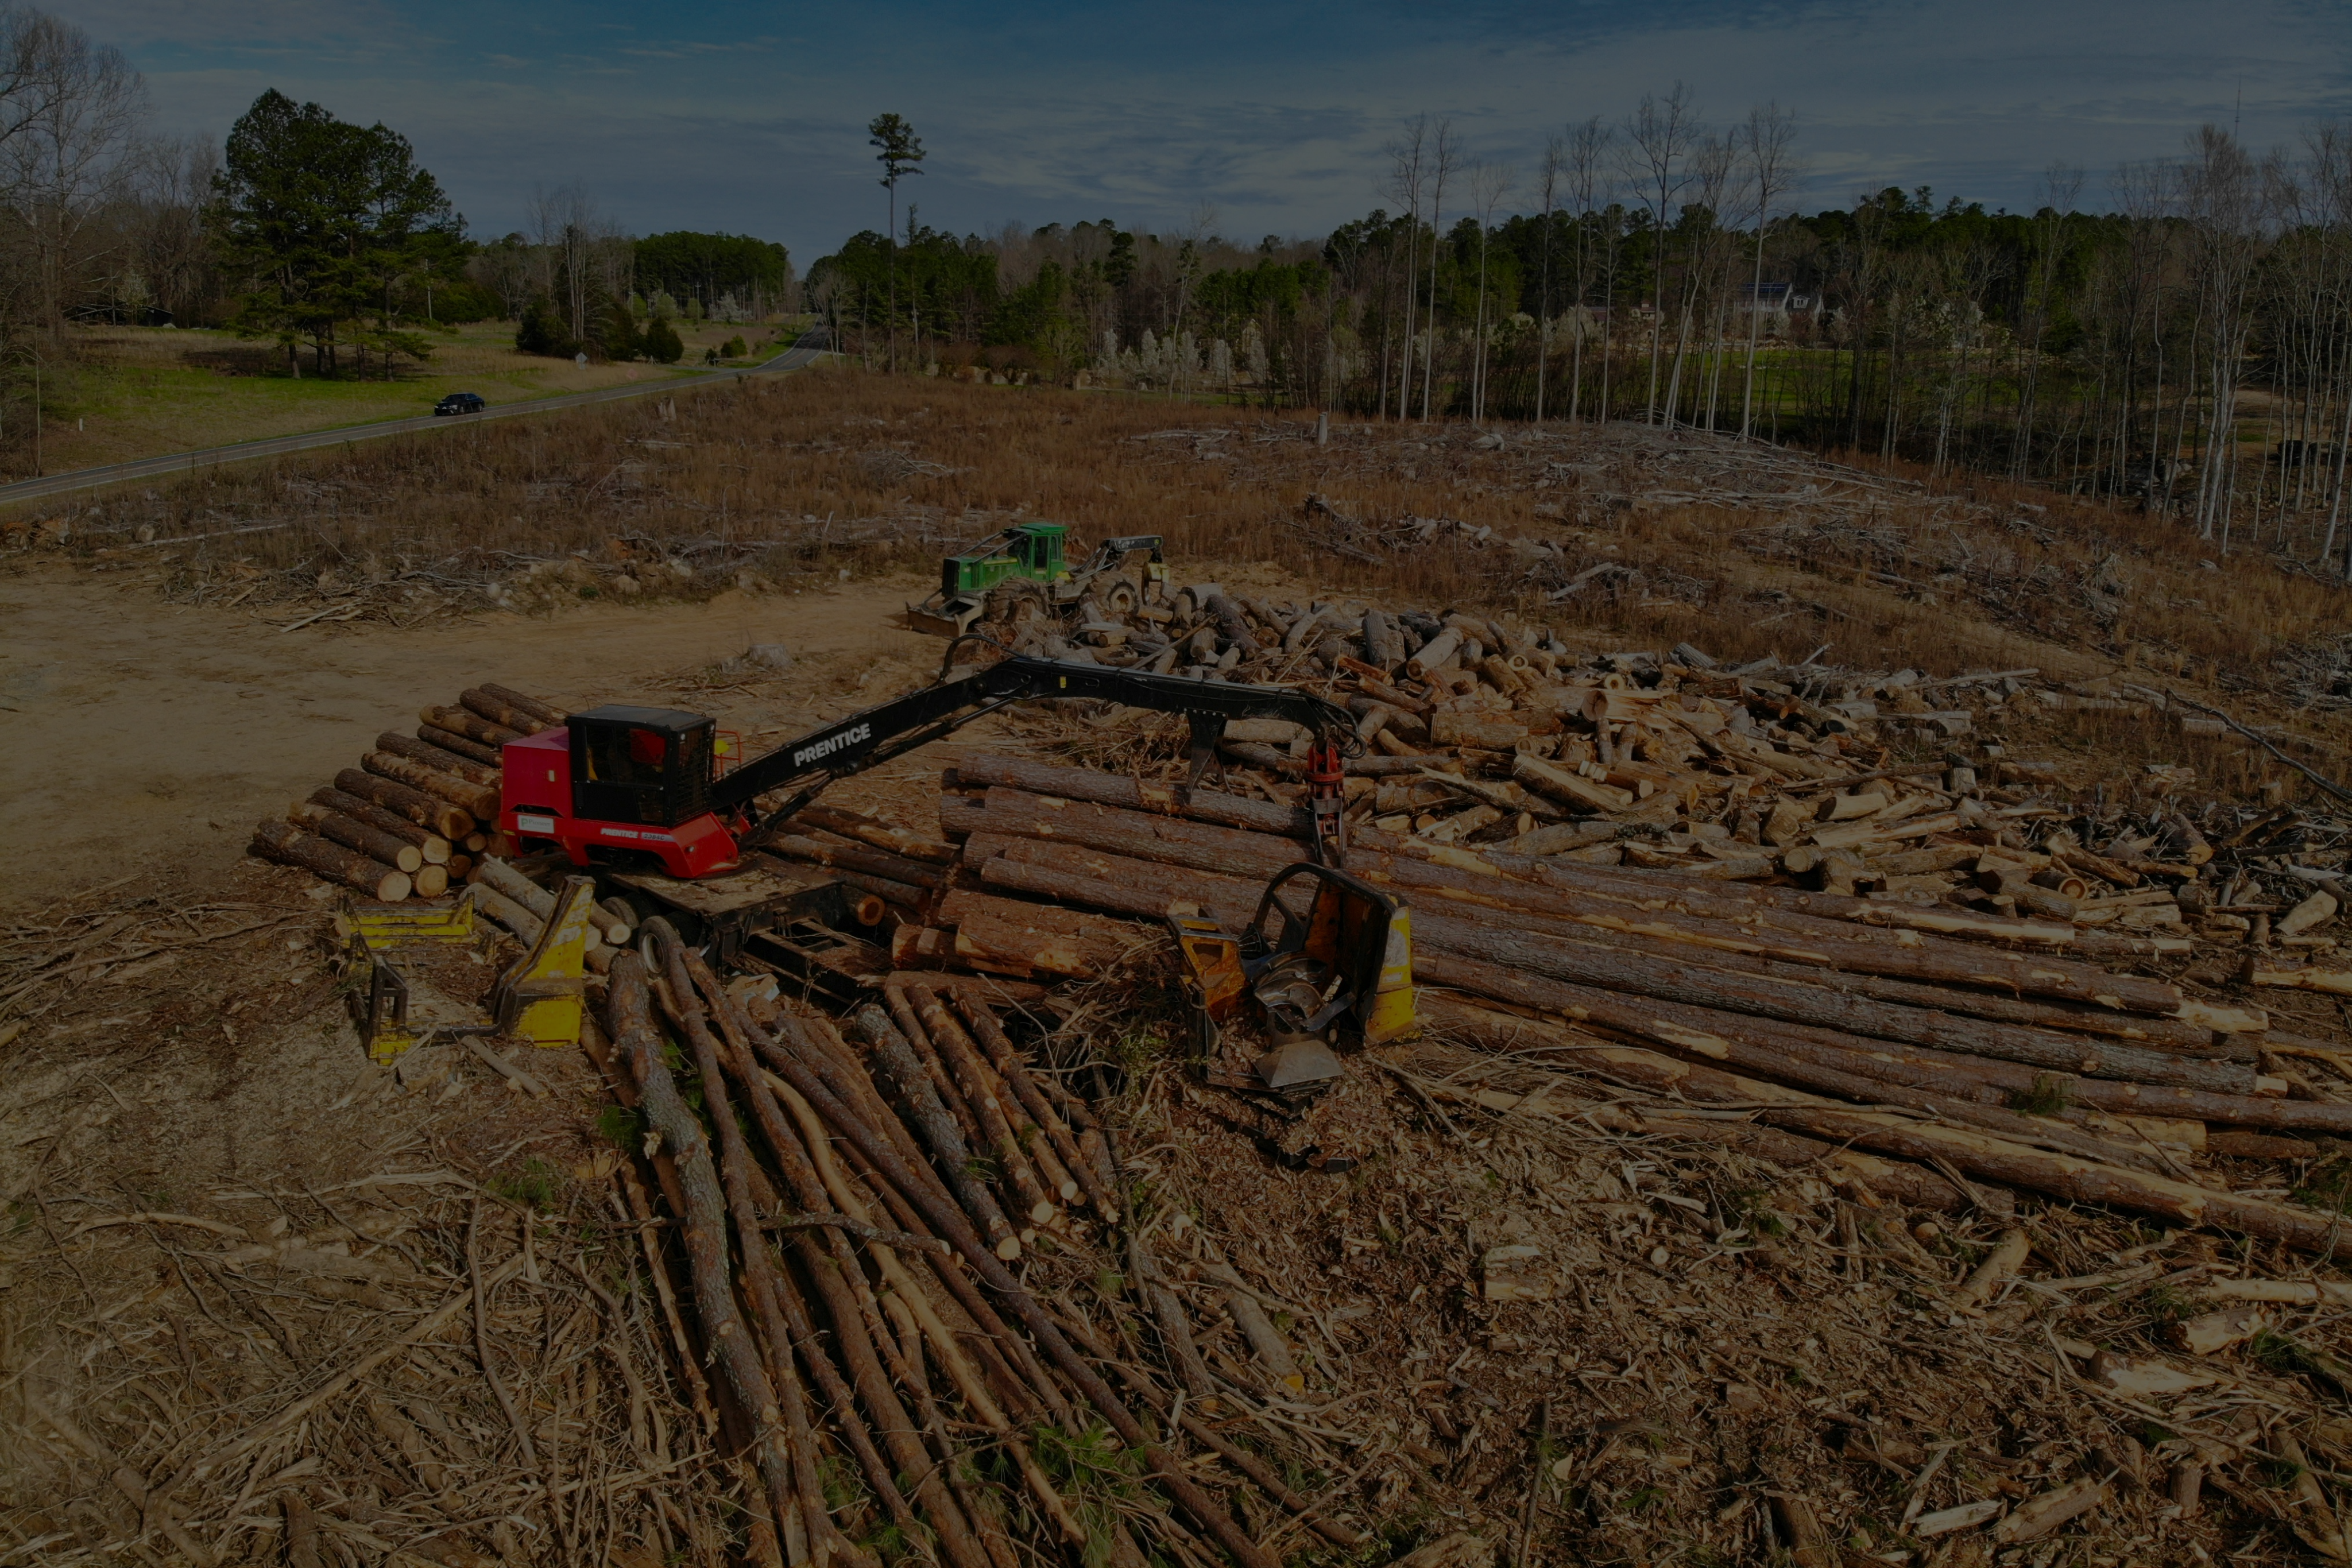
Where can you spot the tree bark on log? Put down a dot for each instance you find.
(430, 844)
(1009, 1066)
(829, 1056)
(457, 745)
(703, 1225)
(1955, 1088)
(828, 1273)
(472, 725)
(528, 927)
(923, 1106)
(895, 868)
(935, 1068)
(952, 1225)
(1717, 1035)
(1709, 915)
(284, 842)
(1671, 979)
(443, 820)
(522, 702)
(1578, 892)
(981, 1093)
(503, 878)
(1971, 1152)
(873, 831)
(373, 842)
(440, 761)
(776, 1305)
(484, 704)
(1171, 840)
(1112, 790)
(479, 800)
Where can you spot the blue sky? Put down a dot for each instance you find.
(749, 117)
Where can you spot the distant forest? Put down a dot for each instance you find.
(2190, 345)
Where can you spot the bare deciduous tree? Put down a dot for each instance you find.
(1765, 140)
(1659, 132)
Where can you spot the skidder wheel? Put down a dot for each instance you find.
(1014, 599)
(1121, 598)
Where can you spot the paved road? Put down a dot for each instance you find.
(803, 353)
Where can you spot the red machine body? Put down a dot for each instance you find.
(538, 803)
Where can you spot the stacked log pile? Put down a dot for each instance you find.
(420, 810)
(2005, 1049)
(1495, 735)
(885, 1230)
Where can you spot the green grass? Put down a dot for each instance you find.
(533, 1187)
(127, 392)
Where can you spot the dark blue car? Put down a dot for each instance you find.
(460, 403)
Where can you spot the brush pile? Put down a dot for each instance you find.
(418, 811)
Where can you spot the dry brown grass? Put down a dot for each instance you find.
(794, 476)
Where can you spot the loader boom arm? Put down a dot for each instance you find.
(879, 734)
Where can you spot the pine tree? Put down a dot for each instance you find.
(661, 342)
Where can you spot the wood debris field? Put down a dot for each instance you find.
(1882, 1095)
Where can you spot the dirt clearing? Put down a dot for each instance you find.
(146, 736)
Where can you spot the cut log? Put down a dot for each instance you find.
(1384, 648)
(2170, 1035)
(545, 712)
(439, 760)
(1111, 790)
(898, 869)
(1173, 841)
(506, 714)
(500, 877)
(1434, 653)
(447, 740)
(1569, 789)
(528, 927)
(448, 821)
(1677, 911)
(919, 1102)
(373, 842)
(1750, 919)
(472, 725)
(430, 882)
(479, 800)
(872, 830)
(703, 1229)
(1803, 1051)
(1896, 1181)
(987, 1097)
(1772, 996)
(284, 842)
(1971, 1152)
(433, 847)
(1007, 936)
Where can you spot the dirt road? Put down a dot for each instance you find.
(140, 735)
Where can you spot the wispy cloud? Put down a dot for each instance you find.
(751, 117)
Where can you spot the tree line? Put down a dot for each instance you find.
(2186, 341)
(325, 238)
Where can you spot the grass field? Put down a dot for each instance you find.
(139, 392)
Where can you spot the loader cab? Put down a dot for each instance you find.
(646, 765)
